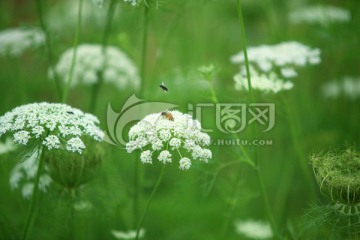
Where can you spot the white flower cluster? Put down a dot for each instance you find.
(261, 81)
(23, 176)
(157, 135)
(254, 229)
(53, 125)
(348, 86)
(271, 66)
(15, 41)
(319, 14)
(114, 65)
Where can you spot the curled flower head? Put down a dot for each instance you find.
(15, 41)
(338, 175)
(93, 64)
(69, 137)
(167, 139)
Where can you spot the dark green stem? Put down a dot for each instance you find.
(34, 196)
(48, 48)
(144, 50)
(149, 201)
(252, 99)
(73, 61)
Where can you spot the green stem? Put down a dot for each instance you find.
(73, 61)
(107, 32)
(298, 149)
(144, 50)
(257, 168)
(48, 47)
(136, 193)
(34, 196)
(149, 201)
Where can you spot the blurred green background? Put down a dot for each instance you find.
(183, 35)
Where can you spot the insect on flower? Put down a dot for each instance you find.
(168, 115)
(163, 87)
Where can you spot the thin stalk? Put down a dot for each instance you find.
(149, 201)
(34, 196)
(257, 168)
(107, 32)
(144, 49)
(298, 150)
(142, 88)
(136, 193)
(48, 47)
(19, 79)
(73, 61)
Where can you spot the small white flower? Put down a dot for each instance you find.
(22, 137)
(165, 156)
(254, 229)
(146, 157)
(175, 143)
(114, 66)
(51, 142)
(75, 145)
(38, 131)
(15, 41)
(157, 144)
(184, 164)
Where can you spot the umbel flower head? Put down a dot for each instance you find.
(265, 82)
(319, 14)
(338, 174)
(169, 136)
(273, 65)
(23, 175)
(15, 41)
(69, 137)
(92, 64)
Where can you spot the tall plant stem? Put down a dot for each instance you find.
(298, 149)
(149, 201)
(34, 196)
(252, 99)
(48, 48)
(144, 49)
(137, 174)
(104, 44)
(73, 61)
